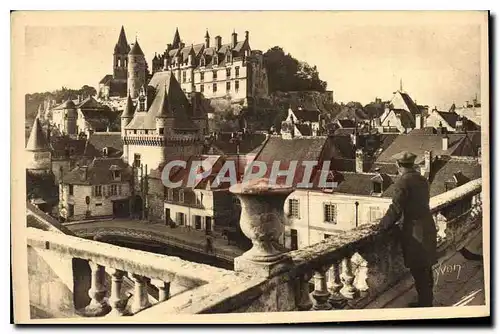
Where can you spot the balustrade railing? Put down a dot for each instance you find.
(351, 268)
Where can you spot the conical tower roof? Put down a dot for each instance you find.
(37, 140)
(136, 49)
(129, 107)
(122, 46)
(177, 39)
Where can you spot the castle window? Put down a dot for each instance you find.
(116, 175)
(170, 194)
(183, 76)
(228, 86)
(202, 76)
(202, 62)
(214, 75)
(137, 160)
(237, 85)
(161, 130)
(119, 62)
(105, 151)
(215, 87)
(113, 190)
(293, 208)
(97, 191)
(135, 132)
(228, 58)
(181, 196)
(142, 105)
(202, 88)
(70, 187)
(228, 72)
(237, 71)
(330, 213)
(377, 187)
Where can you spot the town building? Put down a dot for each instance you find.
(313, 215)
(232, 71)
(301, 123)
(101, 188)
(451, 120)
(400, 114)
(81, 116)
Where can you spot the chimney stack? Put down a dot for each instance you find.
(418, 121)
(360, 160)
(234, 39)
(426, 169)
(247, 34)
(218, 42)
(446, 140)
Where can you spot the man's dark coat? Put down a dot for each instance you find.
(418, 230)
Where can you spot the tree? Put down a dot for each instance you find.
(286, 73)
(87, 91)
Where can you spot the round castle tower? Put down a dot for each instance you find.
(70, 117)
(136, 70)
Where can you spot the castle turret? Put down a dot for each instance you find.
(120, 57)
(70, 118)
(38, 150)
(207, 40)
(177, 40)
(136, 70)
(127, 115)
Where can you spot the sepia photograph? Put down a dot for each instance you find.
(249, 167)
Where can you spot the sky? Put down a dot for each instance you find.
(361, 55)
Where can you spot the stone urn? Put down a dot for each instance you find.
(262, 217)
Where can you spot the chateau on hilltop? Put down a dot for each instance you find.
(232, 70)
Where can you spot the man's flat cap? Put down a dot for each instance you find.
(405, 157)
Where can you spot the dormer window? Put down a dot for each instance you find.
(116, 175)
(202, 62)
(380, 183)
(105, 151)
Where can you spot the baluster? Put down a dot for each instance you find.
(320, 294)
(163, 289)
(348, 290)
(117, 303)
(141, 300)
(98, 305)
(303, 299)
(336, 299)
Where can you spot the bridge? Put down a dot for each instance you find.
(357, 269)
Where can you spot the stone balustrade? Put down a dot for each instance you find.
(107, 296)
(351, 269)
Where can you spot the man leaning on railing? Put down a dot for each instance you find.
(418, 230)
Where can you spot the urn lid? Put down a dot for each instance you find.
(260, 186)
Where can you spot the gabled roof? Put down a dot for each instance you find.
(445, 169)
(100, 140)
(122, 46)
(65, 147)
(346, 123)
(98, 172)
(402, 100)
(37, 140)
(91, 103)
(450, 118)
(106, 79)
(68, 104)
(307, 115)
(418, 144)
